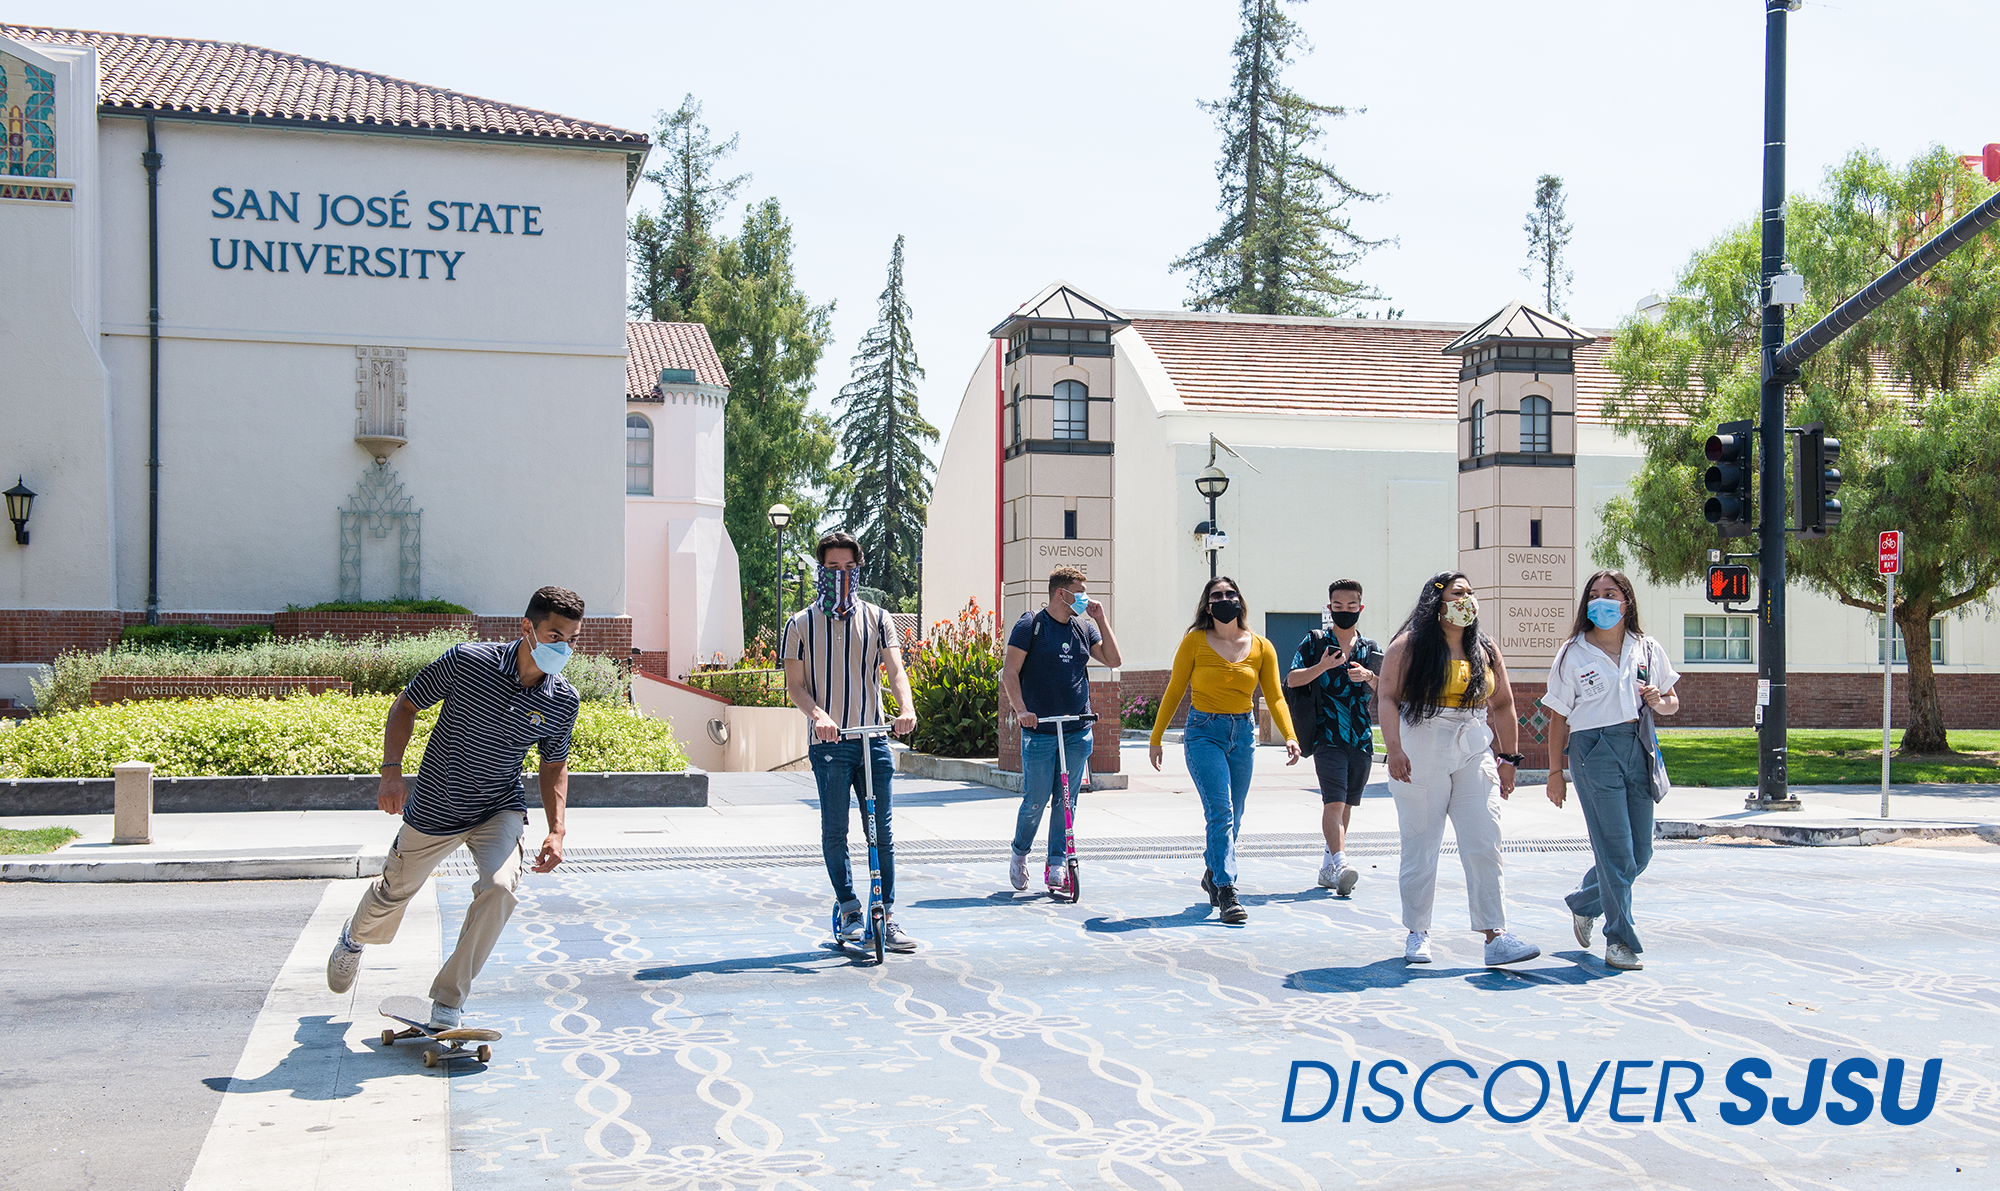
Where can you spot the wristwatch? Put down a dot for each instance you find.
(1513, 759)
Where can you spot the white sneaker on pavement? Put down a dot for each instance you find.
(1017, 872)
(1417, 948)
(1344, 882)
(443, 1016)
(1582, 924)
(1329, 872)
(1507, 948)
(1618, 955)
(343, 963)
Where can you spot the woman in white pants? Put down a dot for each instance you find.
(1442, 677)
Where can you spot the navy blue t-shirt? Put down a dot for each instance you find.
(1055, 677)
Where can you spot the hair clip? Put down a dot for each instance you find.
(1439, 586)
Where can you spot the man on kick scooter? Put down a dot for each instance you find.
(835, 652)
(1047, 673)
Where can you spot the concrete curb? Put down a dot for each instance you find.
(985, 771)
(241, 864)
(310, 792)
(1823, 835)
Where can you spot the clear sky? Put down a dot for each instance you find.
(1017, 143)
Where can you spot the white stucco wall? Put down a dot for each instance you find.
(681, 572)
(958, 530)
(515, 457)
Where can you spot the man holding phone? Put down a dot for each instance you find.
(1343, 667)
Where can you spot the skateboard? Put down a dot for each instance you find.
(413, 1012)
(1071, 875)
(872, 933)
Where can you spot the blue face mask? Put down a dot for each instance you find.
(1606, 614)
(550, 658)
(1080, 603)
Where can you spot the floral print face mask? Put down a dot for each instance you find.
(1461, 611)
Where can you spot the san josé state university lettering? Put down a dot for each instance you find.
(388, 212)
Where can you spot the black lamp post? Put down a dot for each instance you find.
(20, 498)
(1212, 483)
(780, 517)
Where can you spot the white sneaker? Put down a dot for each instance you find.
(1507, 948)
(1582, 924)
(1417, 948)
(342, 964)
(1345, 882)
(443, 1016)
(1329, 872)
(1618, 955)
(1017, 872)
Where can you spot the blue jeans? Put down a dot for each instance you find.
(1038, 788)
(837, 769)
(1220, 750)
(1614, 787)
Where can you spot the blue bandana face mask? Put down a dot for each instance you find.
(1606, 614)
(550, 658)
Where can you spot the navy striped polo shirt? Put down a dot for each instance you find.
(471, 769)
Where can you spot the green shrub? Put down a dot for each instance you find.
(372, 666)
(955, 681)
(1138, 712)
(744, 688)
(406, 607)
(305, 734)
(193, 638)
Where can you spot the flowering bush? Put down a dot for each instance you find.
(756, 679)
(955, 680)
(305, 734)
(1139, 712)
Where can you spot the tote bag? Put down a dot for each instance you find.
(1649, 736)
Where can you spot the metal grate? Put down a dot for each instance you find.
(1157, 847)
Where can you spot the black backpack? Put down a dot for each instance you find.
(1303, 701)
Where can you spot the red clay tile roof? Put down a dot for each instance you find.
(1331, 366)
(652, 346)
(174, 74)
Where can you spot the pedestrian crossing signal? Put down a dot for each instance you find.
(1729, 585)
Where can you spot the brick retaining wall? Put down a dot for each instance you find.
(36, 635)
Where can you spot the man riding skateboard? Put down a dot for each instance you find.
(499, 698)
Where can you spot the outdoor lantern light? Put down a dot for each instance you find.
(20, 498)
(1212, 482)
(780, 516)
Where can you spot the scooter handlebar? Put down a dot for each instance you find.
(1065, 719)
(868, 730)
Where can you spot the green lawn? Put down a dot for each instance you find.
(39, 839)
(1822, 756)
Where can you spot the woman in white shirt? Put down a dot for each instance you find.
(1600, 679)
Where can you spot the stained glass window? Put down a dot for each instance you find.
(28, 117)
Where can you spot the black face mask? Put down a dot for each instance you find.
(1225, 611)
(1346, 620)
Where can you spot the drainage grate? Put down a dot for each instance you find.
(950, 851)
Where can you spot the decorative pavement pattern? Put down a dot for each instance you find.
(681, 1026)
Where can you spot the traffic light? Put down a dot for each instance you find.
(1814, 481)
(1728, 479)
(1729, 584)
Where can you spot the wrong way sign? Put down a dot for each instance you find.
(1889, 552)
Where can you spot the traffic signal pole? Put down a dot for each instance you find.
(1773, 792)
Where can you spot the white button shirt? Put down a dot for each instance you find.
(1592, 689)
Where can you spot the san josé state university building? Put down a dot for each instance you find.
(1383, 451)
(366, 337)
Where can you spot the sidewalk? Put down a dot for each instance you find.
(765, 810)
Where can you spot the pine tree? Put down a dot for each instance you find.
(668, 250)
(1548, 229)
(770, 337)
(1283, 243)
(884, 474)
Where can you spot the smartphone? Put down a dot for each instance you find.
(1642, 673)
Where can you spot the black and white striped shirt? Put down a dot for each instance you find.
(472, 763)
(843, 660)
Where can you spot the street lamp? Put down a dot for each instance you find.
(780, 517)
(1211, 483)
(20, 498)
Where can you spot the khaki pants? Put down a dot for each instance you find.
(496, 847)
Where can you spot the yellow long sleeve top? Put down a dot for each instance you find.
(1223, 687)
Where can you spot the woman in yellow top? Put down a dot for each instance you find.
(1224, 662)
(1442, 677)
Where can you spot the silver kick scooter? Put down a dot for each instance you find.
(876, 914)
(1072, 881)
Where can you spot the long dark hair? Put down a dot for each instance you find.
(1583, 623)
(1427, 664)
(1202, 620)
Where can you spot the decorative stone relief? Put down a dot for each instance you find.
(382, 397)
(378, 505)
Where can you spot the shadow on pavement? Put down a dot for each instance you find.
(797, 962)
(318, 1033)
(1002, 898)
(1400, 973)
(1192, 916)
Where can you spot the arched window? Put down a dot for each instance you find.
(1536, 438)
(638, 455)
(1072, 409)
(1017, 415)
(1478, 428)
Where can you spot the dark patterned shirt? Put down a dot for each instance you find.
(1343, 703)
(472, 763)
